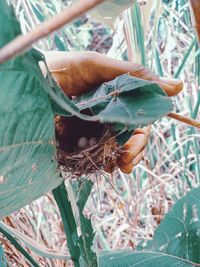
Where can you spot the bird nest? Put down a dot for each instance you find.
(85, 148)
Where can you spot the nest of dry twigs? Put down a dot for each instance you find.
(101, 156)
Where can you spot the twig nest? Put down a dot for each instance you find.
(95, 151)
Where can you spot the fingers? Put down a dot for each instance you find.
(171, 86)
(135, 145)
(138, 158)
(126, 168)
(134, 149)
(78, 72)
(73, 71)
(110, 68)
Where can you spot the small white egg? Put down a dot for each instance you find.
(82, 143)
(92, 141)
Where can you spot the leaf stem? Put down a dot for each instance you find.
(22, 42)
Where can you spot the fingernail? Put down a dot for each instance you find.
(169, 80)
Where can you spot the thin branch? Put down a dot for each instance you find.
(184, 119)
(23, 42)
(196, 11)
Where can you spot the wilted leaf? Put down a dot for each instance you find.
(27, 139)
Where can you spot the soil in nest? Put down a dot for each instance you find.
(85, 147)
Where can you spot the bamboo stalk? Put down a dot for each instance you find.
(22, 42)
(184, 119)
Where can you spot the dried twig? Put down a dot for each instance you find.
(184, 119)
(196, 11)
(22, 42)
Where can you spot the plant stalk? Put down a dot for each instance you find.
(184, 119)
(23, 42)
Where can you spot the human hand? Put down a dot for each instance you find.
(79, 72)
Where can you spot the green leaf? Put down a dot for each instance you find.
(2, 258)
(185, 58)
(179, 232)
(80, 246)
(59, 43)
(137, 30)
(140, 259)
(126, 100)
(87, 233)
(38, 11)
(28, 168)
(61, 196)
(10, 29)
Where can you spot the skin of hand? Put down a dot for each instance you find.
(79, 72)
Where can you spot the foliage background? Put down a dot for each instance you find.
(171, 164)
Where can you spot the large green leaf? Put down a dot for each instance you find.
(127, 100)
(176, 241)
(141, 259)
(28, 167)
